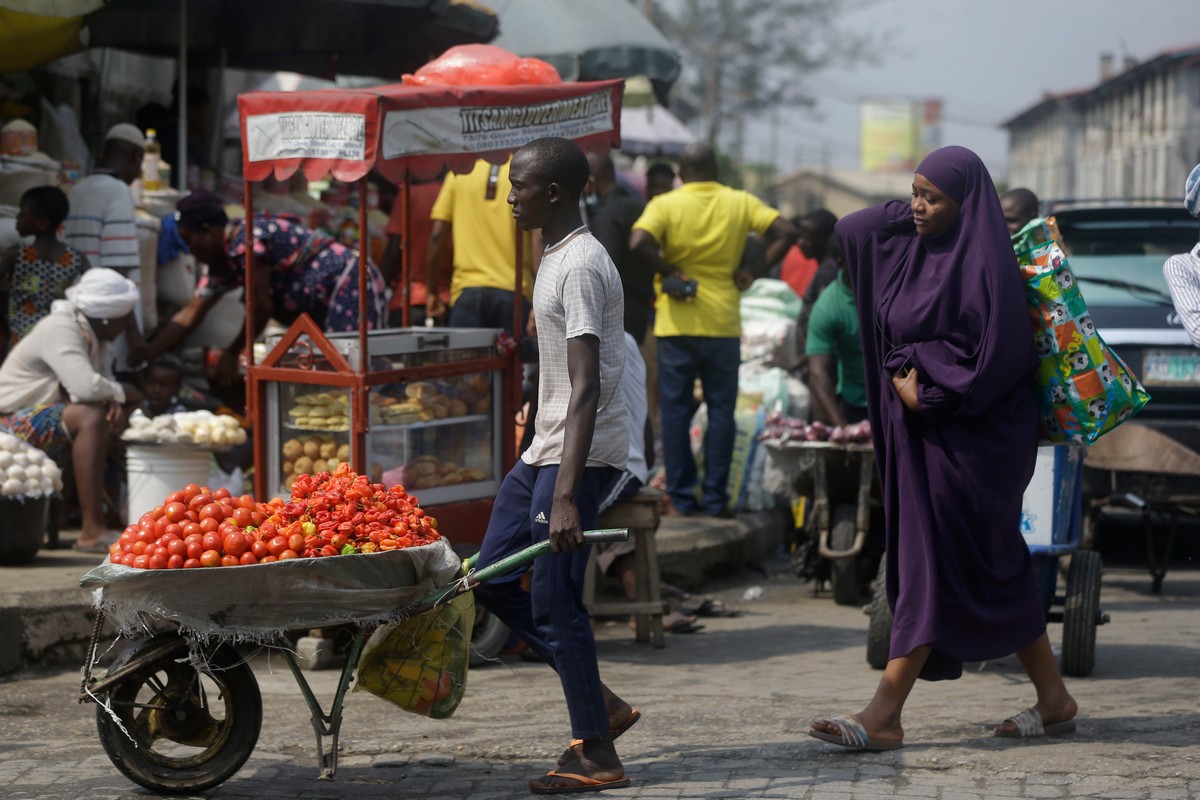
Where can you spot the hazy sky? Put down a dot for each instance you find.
(986, 59)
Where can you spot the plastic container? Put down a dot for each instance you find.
(157, 470)
(151, 161)
(22, 529)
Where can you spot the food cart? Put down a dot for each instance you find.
(429, 408)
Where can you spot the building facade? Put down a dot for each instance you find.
(1136, 134)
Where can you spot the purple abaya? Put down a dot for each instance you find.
(959, 574)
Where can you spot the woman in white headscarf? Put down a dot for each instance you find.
(57, 391)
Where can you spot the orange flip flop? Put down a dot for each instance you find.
(582, 783)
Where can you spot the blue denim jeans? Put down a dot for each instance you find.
(485, 307)
(550, 617)
(714, 360)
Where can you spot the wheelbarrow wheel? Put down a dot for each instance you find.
(176, 728)
(1081, 613)
(844, 571)
(879, 630)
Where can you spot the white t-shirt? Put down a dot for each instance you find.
(101, 224)
(1182, 274)
(578, 292)
(634, 383)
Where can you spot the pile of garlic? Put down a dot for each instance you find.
(26, 471)
(185, 427)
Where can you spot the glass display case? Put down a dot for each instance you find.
(426, 413)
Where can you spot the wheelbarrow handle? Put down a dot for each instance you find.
(533, 551)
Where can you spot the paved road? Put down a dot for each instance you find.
(726, 711)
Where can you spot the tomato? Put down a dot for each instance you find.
(177, 547)
(199, 501)
(175, 497)
(221, 494)
(230, 561)
(209, 525)
(156, 512)
(175, 511)
(212, 541)
(160, 526)
(235, 545)
(139, 547)
(242, 516)
(192, 529)
(175, 562)
(286, 554)
(194, 550)
(257, 518)
(191, 490)
(157, 561)
(260, 549)
(247, 559)
(246, 502)
(210, 558)
(115, 552)
(212, 511)
(191, 563)
(128, 559)
(296, 542)
(191, 516)
(268, 559)
(339, 540)
(277, 545)
(227, 527)
(141, 562)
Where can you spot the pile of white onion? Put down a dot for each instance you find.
(185, 427)
(26, 471)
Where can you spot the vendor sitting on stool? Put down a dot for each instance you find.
(57, 391)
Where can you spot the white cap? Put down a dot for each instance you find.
(125, 132)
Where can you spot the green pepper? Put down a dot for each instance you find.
(349, 549)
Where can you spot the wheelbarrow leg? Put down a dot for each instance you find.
(820, 510)
(328, 724)
(1159, 558)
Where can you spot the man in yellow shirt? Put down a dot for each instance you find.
(697, 233)
(472, 213)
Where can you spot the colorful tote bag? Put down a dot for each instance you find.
(1086, 390)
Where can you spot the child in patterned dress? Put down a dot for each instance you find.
(38, 274)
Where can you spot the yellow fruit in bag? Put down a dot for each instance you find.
(420, 663)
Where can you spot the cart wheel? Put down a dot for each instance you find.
(879, 632)
(179, 730)
(844, 571)
(488, 637)
(1081, 613)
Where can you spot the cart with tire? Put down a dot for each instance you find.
(840, 477)
(1050, 523)
(179, 712)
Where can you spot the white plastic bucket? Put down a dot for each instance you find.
(155, 472)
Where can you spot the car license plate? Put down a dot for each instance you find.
(1171, 367)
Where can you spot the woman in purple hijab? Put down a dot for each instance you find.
(949, 366)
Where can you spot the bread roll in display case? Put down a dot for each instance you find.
(427, 414)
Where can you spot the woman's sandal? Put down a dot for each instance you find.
(853, 735)
(1029, 726)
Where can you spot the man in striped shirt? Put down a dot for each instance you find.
(101, 222)
(1182, 272)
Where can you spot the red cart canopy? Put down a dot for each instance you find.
(417, 129)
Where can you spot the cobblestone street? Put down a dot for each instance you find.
(725, 714)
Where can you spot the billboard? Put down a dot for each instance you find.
(896, 133)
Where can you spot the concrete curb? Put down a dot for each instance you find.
(46, 618)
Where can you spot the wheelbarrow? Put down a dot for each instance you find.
(841, 479)
(179, 718)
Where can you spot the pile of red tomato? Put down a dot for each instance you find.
(329, 514)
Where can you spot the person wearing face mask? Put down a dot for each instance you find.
(949, 365)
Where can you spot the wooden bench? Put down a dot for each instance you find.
(640, 514)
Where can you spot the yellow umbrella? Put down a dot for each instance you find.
(34, 32)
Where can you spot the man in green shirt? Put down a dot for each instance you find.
(833, 339)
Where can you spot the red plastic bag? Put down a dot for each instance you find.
(482, 65)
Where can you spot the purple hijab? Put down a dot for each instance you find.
(952, 475)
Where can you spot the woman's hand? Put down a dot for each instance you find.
(907, 384)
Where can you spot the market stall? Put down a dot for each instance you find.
(431, 409)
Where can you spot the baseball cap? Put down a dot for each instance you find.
(125, 132)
